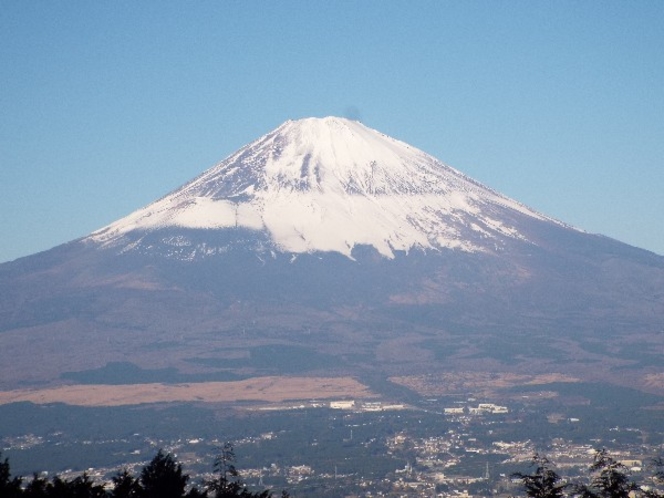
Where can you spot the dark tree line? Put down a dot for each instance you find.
(608, 478)
(161, 478)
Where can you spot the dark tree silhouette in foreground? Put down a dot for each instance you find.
(228, 484)
(163, 478)
(79, 487)
(9, 487)
(543, 482)
(36, 488)
(125, 486)
(610, 479)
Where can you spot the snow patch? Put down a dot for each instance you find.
(332, 184)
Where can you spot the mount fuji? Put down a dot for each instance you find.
(326, 248)
(329, 185)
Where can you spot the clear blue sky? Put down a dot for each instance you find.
(106, 106)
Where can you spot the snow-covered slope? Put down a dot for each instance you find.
(331, 184)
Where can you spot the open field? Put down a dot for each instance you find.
(265, 389)
(477, 383)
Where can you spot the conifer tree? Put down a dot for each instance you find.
(610, 479)
(543, 482)
(9, 487)
(163, 478)
(125, 485)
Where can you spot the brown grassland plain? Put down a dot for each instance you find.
(260, 389)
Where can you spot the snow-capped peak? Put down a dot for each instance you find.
(330, 184)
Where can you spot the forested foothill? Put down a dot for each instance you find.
(163, 477)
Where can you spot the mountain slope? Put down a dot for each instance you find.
(325, 239)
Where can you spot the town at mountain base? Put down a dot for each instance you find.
(163, 477)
